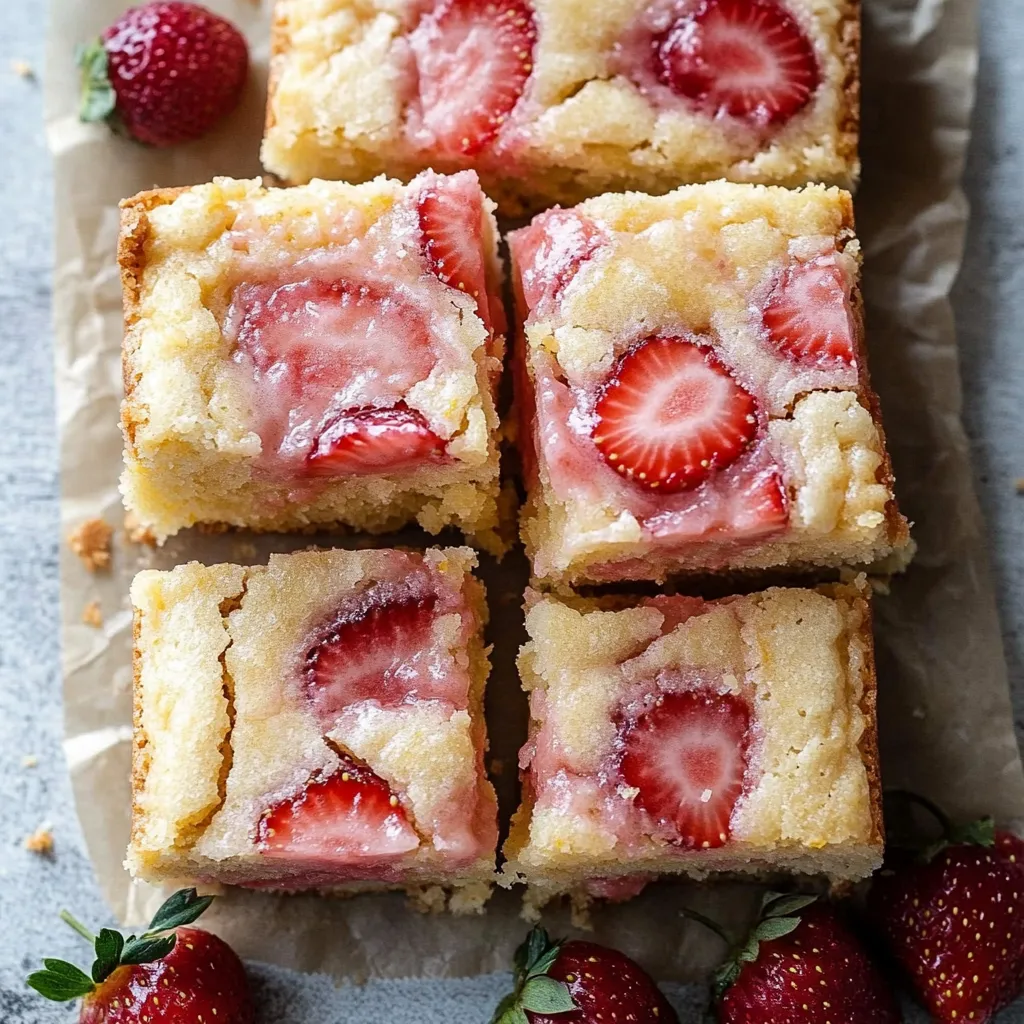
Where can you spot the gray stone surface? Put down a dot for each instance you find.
(990, 308)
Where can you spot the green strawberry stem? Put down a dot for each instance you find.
(975, 833)
(694, 915)
(910, 797)
(73, 922)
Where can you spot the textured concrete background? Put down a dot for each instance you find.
(990, 312)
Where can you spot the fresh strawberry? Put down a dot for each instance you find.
(551, 250)
(953, 919)
(473, 58)
(348, 816)
(368, 651)
(165, 72)
(672, 414)
(579, 982)
(759, 507)
(168, 975)
(451, 215)
(687, 756)
(749, 59)
(807, 316)
(800, 965)
(375, 441)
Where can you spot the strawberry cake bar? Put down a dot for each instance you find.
(557, 100)
(314, 724)
(692, 387)
(672, 735)
(313, 357)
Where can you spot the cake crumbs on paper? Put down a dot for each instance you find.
(29, 761)
(23, 69)
(1019, 484)
(136, 532)
(92, 614)
(497, 766)
(40, 842)
(91, 542)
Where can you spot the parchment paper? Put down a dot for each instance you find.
(946, 726)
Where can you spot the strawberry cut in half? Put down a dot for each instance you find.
(672, 414)
(450, 215)
(807, 316)
(364, 441)
(687, 756)
(748, 59)
(369, 651)
(473, 58)
(350, 815)
(759, 508)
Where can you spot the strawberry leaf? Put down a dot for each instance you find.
(515, 1014)
(779, 904)
(184, 907)
(543, 964)
(545, 995)
(774, 928)
(145, 949)
(109, 945)
(97, 98)
(60, 981)
(725, 976)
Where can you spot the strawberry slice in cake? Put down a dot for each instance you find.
(692, 387)
(312, 357)
(314, 724)
(672, 735)
(553, 104)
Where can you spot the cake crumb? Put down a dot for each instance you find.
(497, 766)
(136, 532)
(918, 713)
(40, 842)
(23, 69)
(91, 542)
(29, 761)
(92, 614)
(1020, 485)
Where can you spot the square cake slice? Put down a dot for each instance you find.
(553, 101)
(314, 724)
(314, 357)
(676, 736)
(693, 387)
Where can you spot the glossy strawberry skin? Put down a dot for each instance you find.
(201, 979)
(955, 925)
(176, 69)
(817, 974)
(606, 986)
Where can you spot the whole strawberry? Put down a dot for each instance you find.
(165, 72)
(800, 965)
(953, 918)
(182, 977)
(579, 982)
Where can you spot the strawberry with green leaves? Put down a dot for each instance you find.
(170, 974)
(576, 982)
(799, 965)
(953, 918)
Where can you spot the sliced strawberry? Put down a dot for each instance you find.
(473, 58)
(451, 214)
(374, 441)
(672, 414)
(349, 815)
(758, 508)
(687, 756)
(808, 314)
(746, 58)
(549, 252)
(368, 651)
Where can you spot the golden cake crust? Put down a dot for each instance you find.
(556, 169)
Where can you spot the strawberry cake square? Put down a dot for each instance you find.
(693, 392)
(553, 101)
(675, 736)
(316, 723)
(314, 357)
